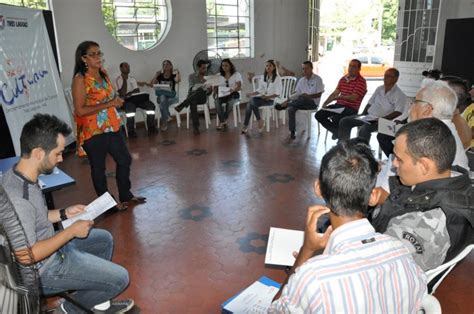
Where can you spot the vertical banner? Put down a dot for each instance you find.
(29, 79)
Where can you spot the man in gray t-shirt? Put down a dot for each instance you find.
(197, 94)
(64, 262)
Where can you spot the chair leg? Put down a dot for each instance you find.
(207, 116)
(187, 117)
(308, 125)
(269, 112)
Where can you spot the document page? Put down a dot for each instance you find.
(335, 110)
(367, 119)
(388, 127)
(162, 86)
(93, 210)
(281, 245)
(257, 298)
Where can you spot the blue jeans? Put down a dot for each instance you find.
(224, 114)
(165, 103)
(84, 265)
(253, 105)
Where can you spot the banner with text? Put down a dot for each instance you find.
(29, 79)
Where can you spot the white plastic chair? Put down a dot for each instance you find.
(235, 112)
(201, 107)
(309, 117)
(267, 111)
(446, 267)
(288, 87)
(430, 305)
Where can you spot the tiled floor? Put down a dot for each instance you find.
(212, 198)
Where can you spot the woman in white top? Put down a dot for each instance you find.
(268, 88)
(227, 91)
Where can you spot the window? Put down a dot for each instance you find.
(230, 27)
(137, 24)
(418, 31)
(33, 4)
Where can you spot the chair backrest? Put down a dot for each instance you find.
(288, 86)
(26, 284)
(255, 81)
(430, 305)
(446, 268)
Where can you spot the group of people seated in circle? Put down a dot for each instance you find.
(387, 226)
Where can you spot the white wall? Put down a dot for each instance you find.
(280, 33)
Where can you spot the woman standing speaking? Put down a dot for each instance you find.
(98, 122)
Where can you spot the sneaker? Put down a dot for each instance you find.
(292, 135)
(118, 306)
(164, 126)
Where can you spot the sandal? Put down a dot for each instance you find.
(137, 199)
(121, 207)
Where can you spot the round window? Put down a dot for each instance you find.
(137, 24)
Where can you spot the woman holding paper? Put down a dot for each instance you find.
(227, 91)
(166, 97)
(98, 122)
(268, 88)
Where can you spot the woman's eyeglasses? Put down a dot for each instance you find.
(227, 83)
(95, 54)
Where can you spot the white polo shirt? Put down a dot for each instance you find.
(312, 86)
(382, 104)
(131, 83)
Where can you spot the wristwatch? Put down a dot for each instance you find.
(62, 214)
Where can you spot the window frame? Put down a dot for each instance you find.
(137, 38)
(218, 42)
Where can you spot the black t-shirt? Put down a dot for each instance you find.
(170, 80)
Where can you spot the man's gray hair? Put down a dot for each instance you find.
(442, 98)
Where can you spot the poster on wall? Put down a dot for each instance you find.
(29, 79)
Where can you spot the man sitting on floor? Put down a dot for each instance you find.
(388, 102)
(307, 95)
(348, 94)
(431, 205)
(360, 271)
(76, 258)
(128, 90)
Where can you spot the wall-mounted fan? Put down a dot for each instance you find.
(213, 59)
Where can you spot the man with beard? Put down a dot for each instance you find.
(76, 258)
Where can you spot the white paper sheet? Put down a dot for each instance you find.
(281, 245)
(257, 298)
(162, 86)
(388, 127)
(213, 80)
(367, 119)
(97, 207)
(335, 110)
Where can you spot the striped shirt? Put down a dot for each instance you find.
(347, 86)
(360, 271)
